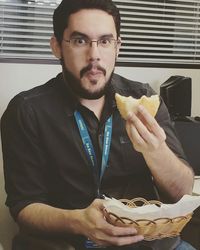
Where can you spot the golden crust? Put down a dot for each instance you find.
(129, 104)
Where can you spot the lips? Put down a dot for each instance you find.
(94, 74)
(92, 70)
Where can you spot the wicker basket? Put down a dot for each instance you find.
(150, 229)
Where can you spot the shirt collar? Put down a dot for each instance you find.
(70, 99)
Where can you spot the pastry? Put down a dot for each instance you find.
(129, 104)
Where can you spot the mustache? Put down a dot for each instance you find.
(89, 67)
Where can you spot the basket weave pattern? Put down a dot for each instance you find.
(150, 229)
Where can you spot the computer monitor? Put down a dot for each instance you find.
(177, 94)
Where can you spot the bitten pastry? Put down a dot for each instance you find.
(130, 104)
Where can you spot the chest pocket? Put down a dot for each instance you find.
(133, 161)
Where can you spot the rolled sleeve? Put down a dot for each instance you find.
(23, 157)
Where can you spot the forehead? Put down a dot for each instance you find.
(91, 22)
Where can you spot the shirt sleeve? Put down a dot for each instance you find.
(23, 158)
(172, 141)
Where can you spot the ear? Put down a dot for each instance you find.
(118, 45)
(55, 47)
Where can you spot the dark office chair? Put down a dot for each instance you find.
(188, 132)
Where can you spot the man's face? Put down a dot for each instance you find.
(86, 66)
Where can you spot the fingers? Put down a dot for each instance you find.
(103, 233)
(118, 236)
(119, 231)
(120, 241)
(151, 122)
(144, 131)
(136, 139)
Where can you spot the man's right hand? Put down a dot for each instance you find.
(92, 224)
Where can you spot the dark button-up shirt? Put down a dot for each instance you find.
(44, 158)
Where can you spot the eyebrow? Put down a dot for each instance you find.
(80, 34)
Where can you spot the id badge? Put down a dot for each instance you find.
(90, 244)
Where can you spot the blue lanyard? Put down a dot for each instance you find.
(87, 143)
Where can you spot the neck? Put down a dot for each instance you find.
(94, 105)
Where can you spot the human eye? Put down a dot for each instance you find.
(79, 41)
(105, 42)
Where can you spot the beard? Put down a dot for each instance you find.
(75, 84)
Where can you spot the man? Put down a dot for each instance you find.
(54, 140)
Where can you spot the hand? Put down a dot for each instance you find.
(144, 132)
(95, 227)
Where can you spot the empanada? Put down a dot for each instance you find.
(129, 104)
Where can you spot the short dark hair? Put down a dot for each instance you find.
(68, 7)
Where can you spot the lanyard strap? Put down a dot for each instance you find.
(87, 143)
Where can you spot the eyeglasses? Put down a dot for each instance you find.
(102, 43)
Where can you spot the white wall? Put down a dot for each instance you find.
(19, 77)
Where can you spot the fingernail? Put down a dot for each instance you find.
(129, 115)
(140, 237)
(133, 231)
(140, 107)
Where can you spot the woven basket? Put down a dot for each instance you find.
(150, 229)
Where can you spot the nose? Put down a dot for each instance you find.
(93, 52)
